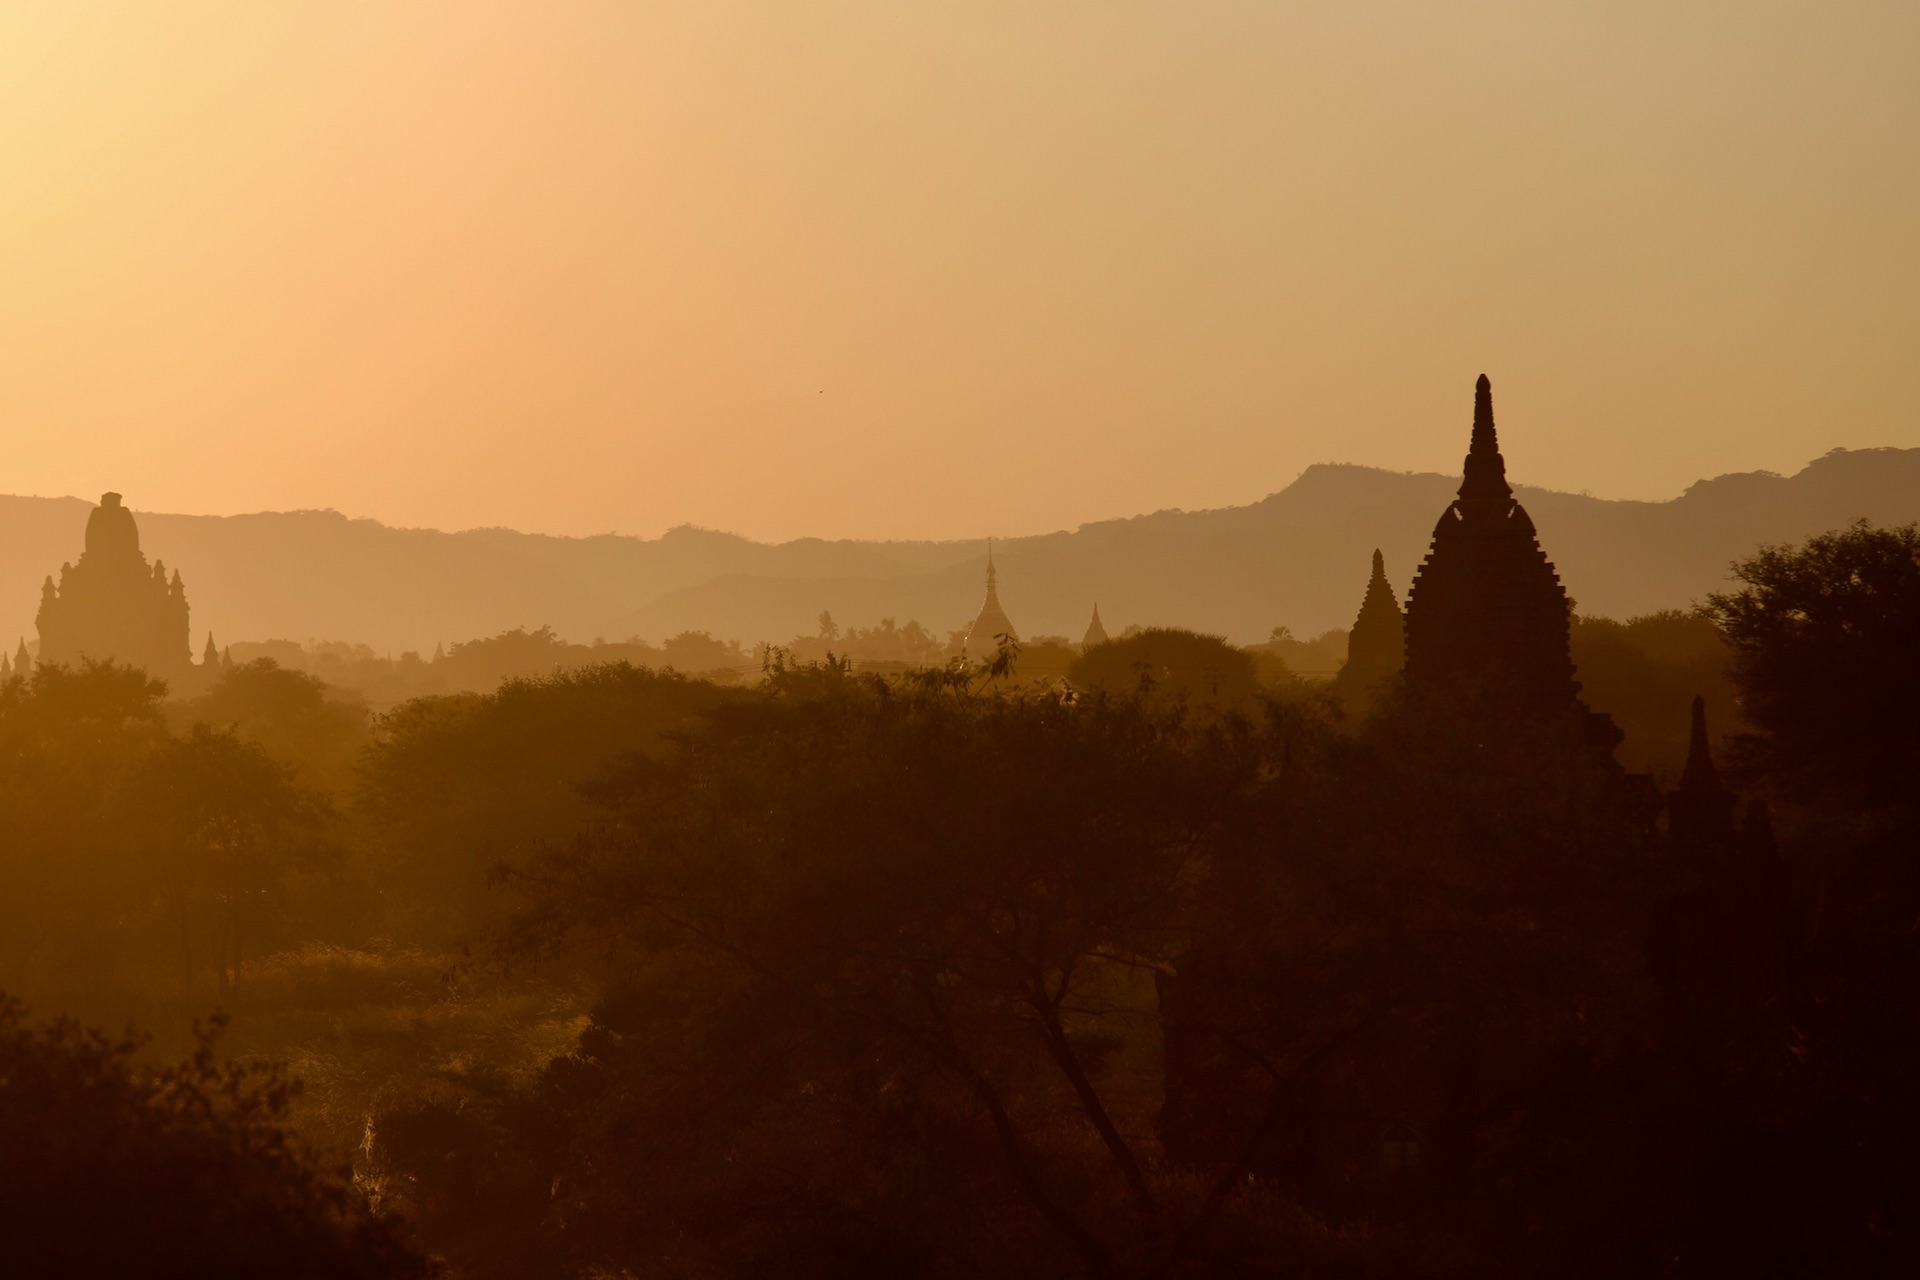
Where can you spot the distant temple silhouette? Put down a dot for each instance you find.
(1377, 645)
(983, 637)
(1096, 634)
(1700, 808)
(1486, 615)
(112, 604)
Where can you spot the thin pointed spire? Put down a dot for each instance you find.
(989, 564)
(1700, 809)
(1699, 774)
(1486, 470)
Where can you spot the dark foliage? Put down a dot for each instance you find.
(455, 785)
(1171, 664)
(965, 973)
(1824, 637)
(113, 1169)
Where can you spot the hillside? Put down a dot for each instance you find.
(1298, 557)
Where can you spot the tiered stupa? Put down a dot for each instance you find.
(1096, 634)
(1487, 616)
(983, 637)
(1377, 645)
(112, 604)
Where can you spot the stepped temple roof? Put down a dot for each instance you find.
(1486, 613)
(1377, 645)
(111, 604)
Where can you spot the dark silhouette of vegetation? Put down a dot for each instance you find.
(1166, 970)
(1824, 637)
(1171, 664)
(294, 715)
(1640, 670)
(114, 1168)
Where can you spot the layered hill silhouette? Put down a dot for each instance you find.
(1298, 558)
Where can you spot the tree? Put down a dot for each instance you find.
(455, 785)
(221, 823)
(879, 991)
(114, 1169)
(1825, 638)
(1202, 671)
(69, 739)
(292, 715)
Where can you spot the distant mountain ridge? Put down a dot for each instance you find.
(1298, 557)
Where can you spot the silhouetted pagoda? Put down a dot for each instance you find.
(983, 637)
(1700, 809)
(112, 604)
(1377, 645)
(1096, 634)
(1487, 615)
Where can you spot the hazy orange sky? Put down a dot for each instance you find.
(921, 269)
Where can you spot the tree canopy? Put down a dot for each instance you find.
(1825, 638)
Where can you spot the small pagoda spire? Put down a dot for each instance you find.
(1377, 644)
(991, 623)
(1096, 633)
(1699, 774)
(22, 662)
(1700, 809)
(211, 658)
(1486, 470)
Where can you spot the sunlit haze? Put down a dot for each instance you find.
(912, 270)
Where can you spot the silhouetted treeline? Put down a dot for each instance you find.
(1143, 959)
(112, 1168)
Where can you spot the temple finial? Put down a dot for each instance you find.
(1486, 470)
(1379, 564)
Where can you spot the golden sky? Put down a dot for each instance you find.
(912, 269)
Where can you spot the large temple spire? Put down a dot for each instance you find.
(1486, 470)
(1486, 617)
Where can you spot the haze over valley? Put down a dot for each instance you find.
(1296, 559)
(1019, 640)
